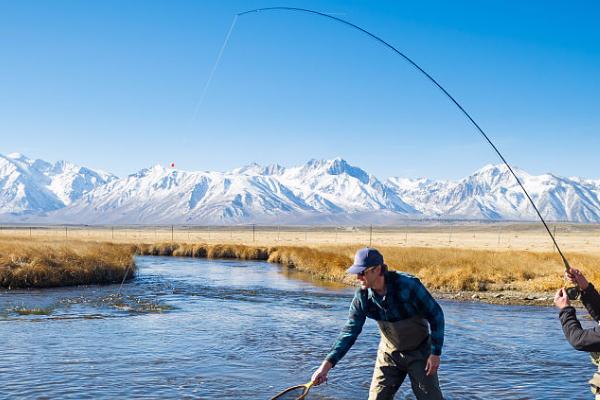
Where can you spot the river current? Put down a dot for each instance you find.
(223, 329)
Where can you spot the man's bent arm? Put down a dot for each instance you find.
(581, 339)
(350, 331)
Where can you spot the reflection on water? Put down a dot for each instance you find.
(206, 329)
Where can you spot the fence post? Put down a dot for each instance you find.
(253, 232)
(172, 234)
(370, 235)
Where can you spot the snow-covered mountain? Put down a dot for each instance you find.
(321, 191)
(35, 186)
(492, 193)
(318, 192)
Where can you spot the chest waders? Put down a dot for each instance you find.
(403, 350)
(595, 381)
(403, 335)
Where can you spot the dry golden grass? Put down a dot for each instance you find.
(48, 264)
(481, 270)
(203, 250)
(326, 265)
(453, 267)
(440, 269)
(320, 264)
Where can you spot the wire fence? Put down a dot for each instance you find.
(491, 237)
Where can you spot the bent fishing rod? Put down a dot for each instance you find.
(572, 292)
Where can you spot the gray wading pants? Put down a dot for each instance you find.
(403, 350)
(595, 381)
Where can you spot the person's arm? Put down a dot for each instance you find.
(350, 331)
(435, 316)
(345, 340)
(581, 339)
(591, 300)
(433, 313)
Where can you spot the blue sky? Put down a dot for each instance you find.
(115, 84)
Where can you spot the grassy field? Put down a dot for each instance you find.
(496, 237)
(478, 258)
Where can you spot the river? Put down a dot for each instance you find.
(228, 329)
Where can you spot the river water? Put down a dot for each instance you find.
(216, 329)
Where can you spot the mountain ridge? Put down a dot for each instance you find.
(317, 192)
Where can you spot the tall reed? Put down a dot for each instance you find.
(26, 264)
(440, 269)
(53, 263)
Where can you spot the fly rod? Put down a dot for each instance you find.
(572, 292)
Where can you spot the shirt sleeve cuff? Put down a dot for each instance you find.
(332, 360)
(566, 310)
(588, 290)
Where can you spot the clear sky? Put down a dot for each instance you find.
(115, 85)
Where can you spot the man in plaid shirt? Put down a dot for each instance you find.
(411, 324)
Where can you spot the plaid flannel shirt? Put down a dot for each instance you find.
(405, 297)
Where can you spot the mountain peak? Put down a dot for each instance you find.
(257, 169)
(156, 169)
(335, 166)
(498, 169)
(17, 156)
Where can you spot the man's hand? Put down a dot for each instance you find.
(320, 375)
(561, 300)
(433, 364)
(576, 277)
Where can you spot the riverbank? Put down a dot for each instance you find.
(500, 277)
(43, 264)
(514, 277)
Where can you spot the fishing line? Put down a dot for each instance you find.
(214, 68)
(123, 281)
(441, 88)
